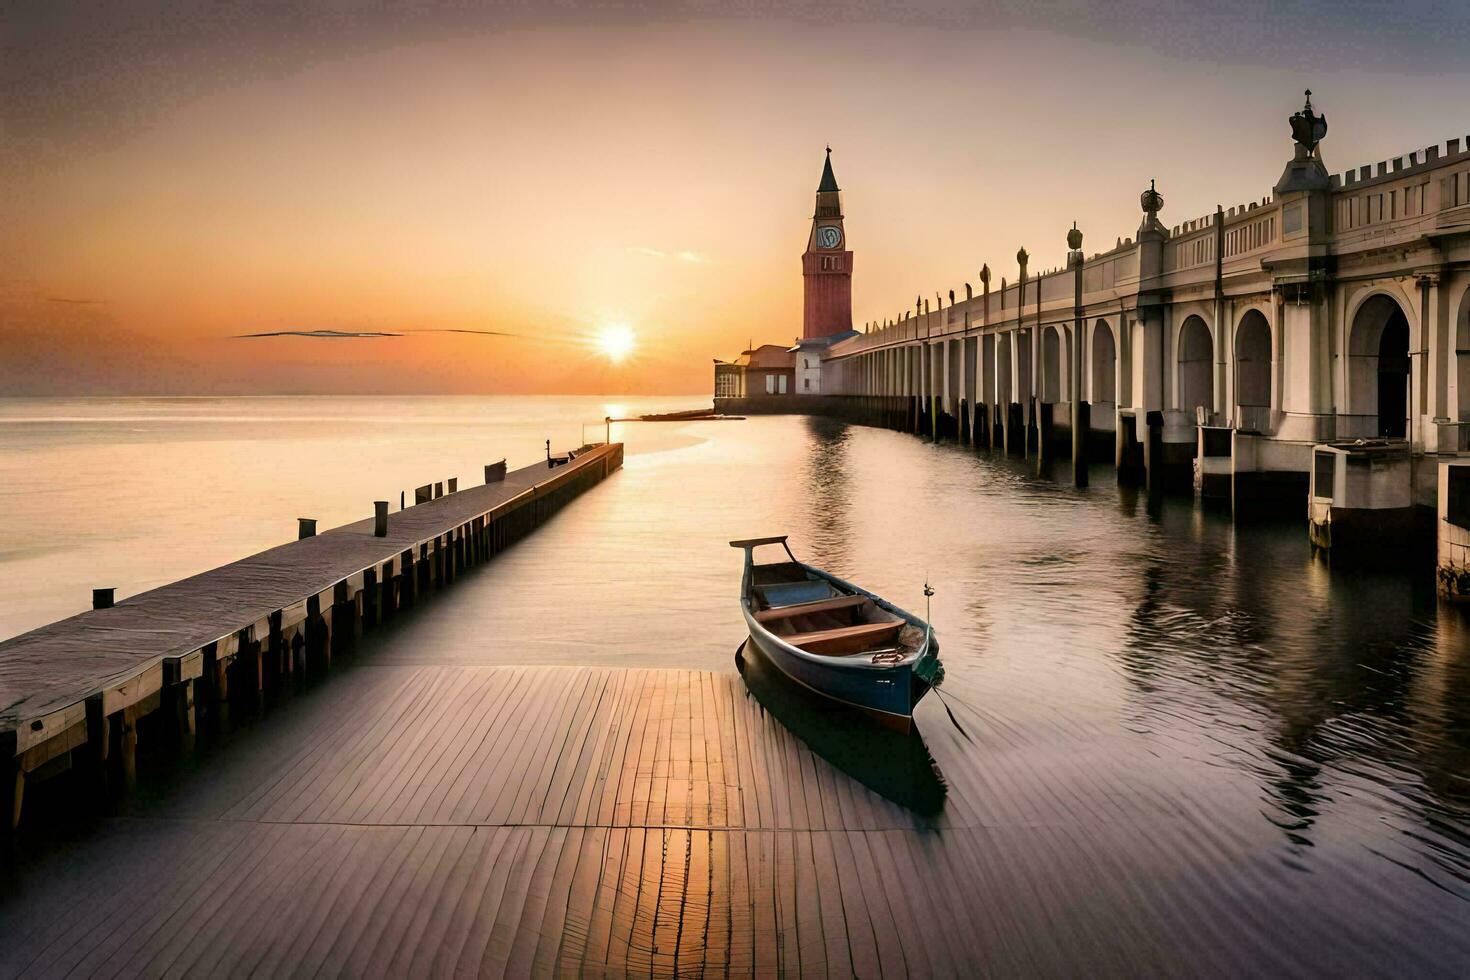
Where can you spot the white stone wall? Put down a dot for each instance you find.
(808, 372)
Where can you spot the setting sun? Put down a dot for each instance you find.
(615, 342)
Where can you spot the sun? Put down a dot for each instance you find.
(615, 342)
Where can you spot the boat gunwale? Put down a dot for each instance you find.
(849, 661)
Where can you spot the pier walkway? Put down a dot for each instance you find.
(78, 686)
(531, 821)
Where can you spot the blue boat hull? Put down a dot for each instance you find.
(887, 696)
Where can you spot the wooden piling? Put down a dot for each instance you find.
(380, 518)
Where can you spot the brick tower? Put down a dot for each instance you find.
(826, 265)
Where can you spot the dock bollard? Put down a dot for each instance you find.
(305, 527)
(102, 598)
(438, 490)
(380, 518)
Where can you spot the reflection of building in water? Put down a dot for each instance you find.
(829, 491)
(1354, 683)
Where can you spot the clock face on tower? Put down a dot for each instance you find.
(829, 236)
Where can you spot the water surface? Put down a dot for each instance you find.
(1271, 754)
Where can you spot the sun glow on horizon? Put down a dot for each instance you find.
(615, 341)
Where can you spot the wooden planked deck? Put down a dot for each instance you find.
(514, 821)
(75, 685)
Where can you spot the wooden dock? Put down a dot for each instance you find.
(71, 693)
(445, 820)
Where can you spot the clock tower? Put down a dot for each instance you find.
(826, 265)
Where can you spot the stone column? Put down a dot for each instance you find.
(1081, 420)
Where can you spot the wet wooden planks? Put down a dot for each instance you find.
(579, 821)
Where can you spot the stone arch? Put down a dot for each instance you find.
(1196, 365)
(1378, 365)
(1253, 360)
(1104, 364)
(1462, 356)
(1051, 365)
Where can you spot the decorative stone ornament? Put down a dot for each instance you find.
(1308, 129)
(1151, 200)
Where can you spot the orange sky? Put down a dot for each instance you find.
(549, 179)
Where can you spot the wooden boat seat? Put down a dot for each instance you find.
(847, 639)
(802, 608)
(794, 593)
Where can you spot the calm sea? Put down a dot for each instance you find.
(1213, 702)
(133, 493)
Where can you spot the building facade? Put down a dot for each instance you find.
(764, 370)
(1245, 343)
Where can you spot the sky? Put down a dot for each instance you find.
(175, 175)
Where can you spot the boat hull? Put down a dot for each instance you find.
(886, 696)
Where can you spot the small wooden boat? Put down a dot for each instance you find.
(842, 642)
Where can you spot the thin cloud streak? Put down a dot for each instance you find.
(326, 334)
(683, 255)
(360, 334)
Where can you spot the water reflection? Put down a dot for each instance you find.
(1317, 684)
(828, 491)
(896, 766)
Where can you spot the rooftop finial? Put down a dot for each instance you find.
(1307, 129)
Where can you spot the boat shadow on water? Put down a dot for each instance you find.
(895, 765)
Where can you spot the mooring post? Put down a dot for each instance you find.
(1153, 452)
(305, 527)
(277, 655)
(380, 518)
(387, 591)
(346, 621)
(316, 633)
(12, 784)
(407, 579)
(180, 700)
(438, 489)
(127, 744)
(102, 598)
(369, 596)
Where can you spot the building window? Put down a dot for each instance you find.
(806, 383)
(770, 384)
(805, 364)
(783, 384)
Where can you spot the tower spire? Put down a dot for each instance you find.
(829, 182)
